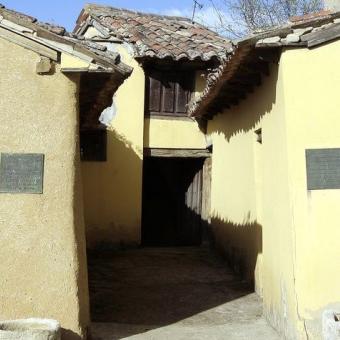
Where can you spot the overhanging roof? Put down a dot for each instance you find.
(244, 67)
(154, 36)
(50, 41)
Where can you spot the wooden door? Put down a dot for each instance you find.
(191, 211)
(172, 201)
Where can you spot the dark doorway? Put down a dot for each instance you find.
(172, 201)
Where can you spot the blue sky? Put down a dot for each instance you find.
(65, 12)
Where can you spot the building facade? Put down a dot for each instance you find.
(43, 251)
(274, 121)
(251, 166)
(170, 57)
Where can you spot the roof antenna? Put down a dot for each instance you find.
(196, 4)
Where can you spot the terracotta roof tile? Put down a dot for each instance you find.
(59, 34)
(143, 30)
(311, 16)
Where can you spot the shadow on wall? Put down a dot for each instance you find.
(241, 242)
(248, 113)
(112, 195)
(240, 245)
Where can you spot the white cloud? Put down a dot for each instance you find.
(186, 12)
(207, 16)
(215, 18)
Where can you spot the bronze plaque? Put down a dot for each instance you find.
(323, 169)
(21, 173)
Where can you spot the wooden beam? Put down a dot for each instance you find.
(177, 153)
(321, 37)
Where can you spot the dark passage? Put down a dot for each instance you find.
(172, 196)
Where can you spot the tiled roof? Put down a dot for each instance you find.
(31, 27)
(155, 35)
(304, 31)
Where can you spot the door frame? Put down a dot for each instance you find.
(206, 154)
(177, 153)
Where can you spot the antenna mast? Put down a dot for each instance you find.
(196, 4)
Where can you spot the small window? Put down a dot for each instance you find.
(258, 133)
(93, 145)
(168, 92)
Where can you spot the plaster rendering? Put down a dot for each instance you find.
(54, 232)
(43, 247)
(263, 216)
(231, 171)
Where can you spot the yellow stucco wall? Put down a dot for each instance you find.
(259, 191)
(313, 121)
(250, 213)
(68, 61)
(42, 243)
(173, 134)
(113, 189)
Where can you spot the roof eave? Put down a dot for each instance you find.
(244, 68)
(49, 39)
(270, 40)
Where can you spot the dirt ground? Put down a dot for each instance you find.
(171, 293)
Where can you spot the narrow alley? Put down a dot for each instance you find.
(171, 293)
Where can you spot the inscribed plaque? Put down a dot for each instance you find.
(323, 169)
(21, 173)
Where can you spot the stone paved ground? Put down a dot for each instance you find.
(171, 293)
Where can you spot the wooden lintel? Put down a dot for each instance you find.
(177, 153)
